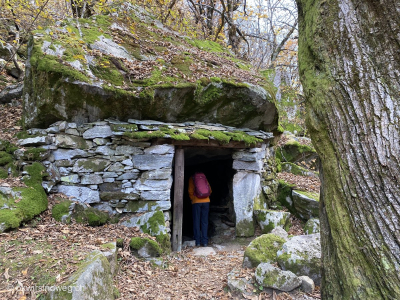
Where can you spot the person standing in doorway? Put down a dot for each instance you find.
(199, 193)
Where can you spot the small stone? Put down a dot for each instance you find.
(127, 162)
(204, 251)
(35, 141)
(160, 149)
(127, 150)
(100, 141)
(71, 178)
(64, 154)
(91, 179)
(103, 131)
(105, 150)
(72, 131)
(128, 176)
(307, 284)
(187, 244)
(108, 179)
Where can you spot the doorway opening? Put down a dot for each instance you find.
(216, 164)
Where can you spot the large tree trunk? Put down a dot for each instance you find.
(349, 54)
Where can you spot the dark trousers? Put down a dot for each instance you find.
(200, 222)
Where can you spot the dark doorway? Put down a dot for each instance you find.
(216, 164)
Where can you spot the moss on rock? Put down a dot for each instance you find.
(262, 249)
(61, 209)
(31, 202)
(145, 247)
(90, 215)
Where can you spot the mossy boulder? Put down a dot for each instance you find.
(145, 247)
(312, 226)
(285, 195)
(262, 249)
(93, 277)
(270, 219)
(67, 81)
(21, 204)
(302, 255)
(90, 215)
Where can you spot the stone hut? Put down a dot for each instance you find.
(142, 166)
(125, 119)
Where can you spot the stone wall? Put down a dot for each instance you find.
(98, 165)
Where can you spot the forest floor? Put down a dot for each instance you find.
(46, 252)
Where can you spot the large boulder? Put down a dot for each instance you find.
(262, 249)
(302, 255)
(103, 73)
(306, 204)
(92, 280)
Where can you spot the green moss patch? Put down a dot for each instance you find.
(138, 243)
(32, 200)
(61, 209)
(263, 250)
(90, 215)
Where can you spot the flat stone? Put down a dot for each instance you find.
(271, 277)
(204, 251)
(129, 176)
(71, 142)
(145, 206)
(79, 193)
(248, 157)
(98, 132)
(152, 161)
(116, 167)
(157, 174)
(105, 150)
(156, 195)
(35, 141)
(248, 166)
(90, 165)
(64, 154)
(70, 179)
(91, 179)
(128, 150)
(145, 122)
(160, 149)
(100, 141)
(127, 162)
(72, 131)
(110, 175)
(154, 185)
(118, 195)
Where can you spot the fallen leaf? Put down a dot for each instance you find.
(24, 272)
(6, 275)
(58, 278)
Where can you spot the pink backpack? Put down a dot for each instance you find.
(201, 186)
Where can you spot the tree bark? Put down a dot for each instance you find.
(349, 55)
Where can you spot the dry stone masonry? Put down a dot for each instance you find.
(100, 165)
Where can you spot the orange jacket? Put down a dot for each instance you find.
(193, 197)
